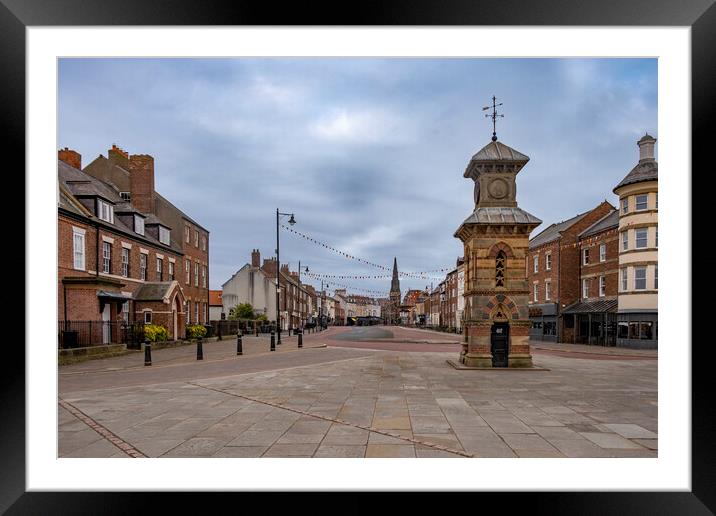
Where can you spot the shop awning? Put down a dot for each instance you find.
(592, 307)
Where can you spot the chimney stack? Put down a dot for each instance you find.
(255, 258)
(646, 148)
(72, 158)
(269, 267)
(141, 182)
(284, 269)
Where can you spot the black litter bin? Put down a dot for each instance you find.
(69, 339)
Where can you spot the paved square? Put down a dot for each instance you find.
(347, 402)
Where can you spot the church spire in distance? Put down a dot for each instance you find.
(395, 283)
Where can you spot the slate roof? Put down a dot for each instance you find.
(500, 215)
(74, 182)
(552, 232)
(585, 307)
(611, 220)
(153, 291)
(647, 170)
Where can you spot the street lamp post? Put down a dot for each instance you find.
(291, 221)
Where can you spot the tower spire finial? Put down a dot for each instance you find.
(494, 115)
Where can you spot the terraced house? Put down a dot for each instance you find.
(121, 256)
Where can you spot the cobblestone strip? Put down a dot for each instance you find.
(339, 421)
(104, 432)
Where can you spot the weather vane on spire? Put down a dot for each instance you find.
(494, 116)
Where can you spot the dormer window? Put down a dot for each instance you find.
(105, 211)
(139, 224)
(126, 196)
(163, 235)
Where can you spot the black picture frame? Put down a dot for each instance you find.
(700, 15)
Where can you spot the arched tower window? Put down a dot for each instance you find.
(500, 269)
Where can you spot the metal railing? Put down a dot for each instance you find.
(83, 334)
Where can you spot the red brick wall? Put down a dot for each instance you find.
(72, 158)
(80, 308)
(595, 268)
(192, 253)
(543, 274)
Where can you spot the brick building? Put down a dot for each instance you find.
(132, 177)
(594, 315)
(117, 264)
(553, 268)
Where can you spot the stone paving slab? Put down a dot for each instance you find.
(580, 408)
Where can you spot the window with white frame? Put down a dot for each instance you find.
(105, 211)
(602, 286)
(164, 235)
(106, 257)
(203, 242)
(585, 256)
(639, 278)
(535, 262)
(535, 292)
(624, 278)
(547, 290)
(78, 248)
(196, 274)
(125, 263)
(196, 238)
(196, 311)
(625, 205)
(160, 269)
(641, 202)
(656, 277)
(187, 311)
(186, 234)
(126, 196)
(147, 317)
(187, 270)
(548, 261)
(602, 252)
(203, 276)
(171, 271)
(125, 311)
(585, 288)
(640, 238)
(139, 224)
(625, 240)
(143, 266)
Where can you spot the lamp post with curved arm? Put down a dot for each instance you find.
(291, 221)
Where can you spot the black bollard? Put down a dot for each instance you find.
(300, 339)
(239, 346)
(147, 353)
(199, 349)
(278, 340)
(289, 331)
(257, 330)
(273, 341)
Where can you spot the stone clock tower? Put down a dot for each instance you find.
(496, 239)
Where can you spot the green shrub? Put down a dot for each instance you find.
(155, 333)
(194, 331)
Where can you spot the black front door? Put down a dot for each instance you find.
(499, 339)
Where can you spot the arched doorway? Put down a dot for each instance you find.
(500, 337)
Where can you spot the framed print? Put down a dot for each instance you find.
(282, 246)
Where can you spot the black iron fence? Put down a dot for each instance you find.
(229, 327)
(82, 334)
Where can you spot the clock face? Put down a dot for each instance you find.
(498, 188)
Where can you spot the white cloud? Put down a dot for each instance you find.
(368, 127)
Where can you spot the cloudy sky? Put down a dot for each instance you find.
(368, 153)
